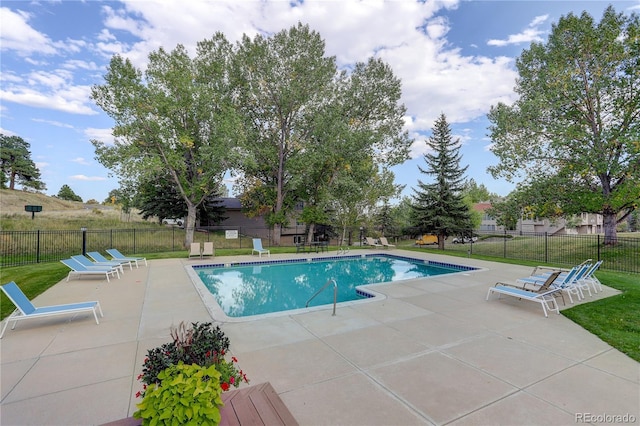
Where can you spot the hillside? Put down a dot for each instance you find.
(14, 202)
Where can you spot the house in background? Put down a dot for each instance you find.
(255, 226)
(585, 223)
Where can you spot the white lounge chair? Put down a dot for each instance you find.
(257, 247)
(99, 258)
(26, 310)
(85, 261)
(195, 251)
(80, 270)
(565, 281)
(119, 256)
(545, 294)
(385, 243)
(372, 243)
(207, 249)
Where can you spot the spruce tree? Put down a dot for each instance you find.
(439, 207)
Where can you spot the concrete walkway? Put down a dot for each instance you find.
(432, 352)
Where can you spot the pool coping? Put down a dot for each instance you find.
(366, 290)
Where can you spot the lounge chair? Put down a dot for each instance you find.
(195, 250)
(208, 250)
(119, 256)
(85, 261)
(80, 270)
(26, 310)
(385, 243)
(545, 295)
(372, 243)
(99, 258)
(257, 247)
(564, 281)
(590, 277)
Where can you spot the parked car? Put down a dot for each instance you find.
(462, 240)
(173, 222)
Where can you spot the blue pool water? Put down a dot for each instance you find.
(265, 287)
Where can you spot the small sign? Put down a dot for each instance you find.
(231, 235)
(33, 210)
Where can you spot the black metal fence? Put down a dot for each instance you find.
(570, 249)
(28, 247)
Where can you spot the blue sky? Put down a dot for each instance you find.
(454, 57)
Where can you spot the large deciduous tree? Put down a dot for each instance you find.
(308, 123)
(282, 85)
(574, 131)
(439, 207)
(174, 119)
(17, 165)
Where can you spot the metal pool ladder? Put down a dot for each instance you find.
(335, 294)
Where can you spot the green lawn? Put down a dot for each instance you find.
(616, 320)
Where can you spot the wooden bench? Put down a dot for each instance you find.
(255, 405)
(251, 406)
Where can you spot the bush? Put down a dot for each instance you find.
(185, 395)
(201, 344)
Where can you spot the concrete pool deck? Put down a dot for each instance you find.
(433, 352)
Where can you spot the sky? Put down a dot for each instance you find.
(453, 57)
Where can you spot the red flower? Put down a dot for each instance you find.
(138, 394)
(225, 386)
(234, 359)
(140, 377)
(232, 380)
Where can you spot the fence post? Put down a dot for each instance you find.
(84, 241)
(546, 247)
(38, 247)
(598, 248)
(504, 244)
(134, 240)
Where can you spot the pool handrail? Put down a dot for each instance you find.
(335, 294)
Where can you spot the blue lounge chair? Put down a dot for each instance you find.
(99, 258)
(257, 247)
(85, 261)
(565, 282)
(545, 295)
(80, 270)
(590, 278)
(119, 256)
(26, 310)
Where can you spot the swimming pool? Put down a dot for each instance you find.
(257, 288)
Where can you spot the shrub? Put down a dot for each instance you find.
(201, 344)
(185, 395)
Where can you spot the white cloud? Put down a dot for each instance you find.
(103, 135)
(53, 123)
(81, 161)
(87, 178)
(18, 35)
(528, 35)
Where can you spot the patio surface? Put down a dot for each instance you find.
(433, 352)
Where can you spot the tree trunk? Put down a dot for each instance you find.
(609, 223)
(441, 238)
(189, 224)
(275, 238)
(310, 232)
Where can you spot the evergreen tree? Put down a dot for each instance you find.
(17, 165)
(439, 207)
(66, 193)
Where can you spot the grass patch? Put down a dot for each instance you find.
(615, 320)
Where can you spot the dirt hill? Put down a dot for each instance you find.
(14, 202)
